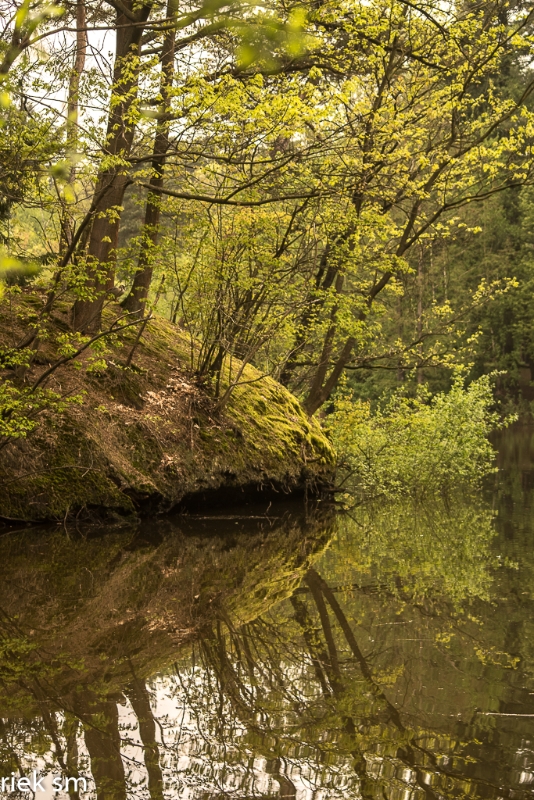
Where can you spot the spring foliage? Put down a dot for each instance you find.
(415, 446)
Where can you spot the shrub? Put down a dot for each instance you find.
(415, 446)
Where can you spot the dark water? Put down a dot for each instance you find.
(388, 654)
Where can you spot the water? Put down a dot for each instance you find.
(387, 654)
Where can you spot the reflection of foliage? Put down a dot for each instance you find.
(339, 688)
(363, 682)
(416, 446)
(443, 547)
(108, 604)
(306, 694)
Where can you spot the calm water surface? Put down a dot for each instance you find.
(388, 654)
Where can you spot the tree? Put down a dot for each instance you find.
(416, 140)
(373, 139)
(336, 148)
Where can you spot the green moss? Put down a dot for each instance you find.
(150, 431)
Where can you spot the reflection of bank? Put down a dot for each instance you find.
(84, 623)
(367, 684)
(284, 669)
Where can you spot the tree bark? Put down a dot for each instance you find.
(420, 279)
(322, 386)
(319, 394)
(327, 273)
(112, 180)
(74, 83)
(136, 299)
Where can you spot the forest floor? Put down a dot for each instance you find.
(144, 435)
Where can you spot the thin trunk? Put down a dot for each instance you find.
(322, 387)
(335, 678)
(331, 665)
(72, 116)
(400, 317)
(327, 273)
(70, 732)
(313, 577)
(321, 393)
(74, 84)
(137, 297)
(317, 653)
(112, 181)
(69, 768)
(305, 322)
(326, 353)
(420, 311)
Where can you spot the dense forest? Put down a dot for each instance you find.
(337, 194)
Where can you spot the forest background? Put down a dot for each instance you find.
(339, 193)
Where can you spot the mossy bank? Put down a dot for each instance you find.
(147, 437)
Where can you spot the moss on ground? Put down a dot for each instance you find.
(146, 436)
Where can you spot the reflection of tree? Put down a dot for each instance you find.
(334, 687)
(139, 697)
(440, 549)
(405, 753)
(321, 591)
(260, 678)
(10, 760)
(237, 685)
(103, 741)
(65, 744)
(75, 641)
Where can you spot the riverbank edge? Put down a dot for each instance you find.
(146, 438)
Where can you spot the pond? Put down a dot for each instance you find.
(277, 653)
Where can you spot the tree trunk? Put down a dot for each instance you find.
(70, 732)
(319, 394)
(322, 386)
(420, 279)
(327, 273)
(112, 180)
(321, 282)
(72, 117)
(137, 297)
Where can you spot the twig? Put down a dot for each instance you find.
(80, 350)
(140, 332)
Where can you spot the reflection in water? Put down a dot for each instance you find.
(245, 659)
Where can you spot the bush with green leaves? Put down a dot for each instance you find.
(415, 446)
(20, 409)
